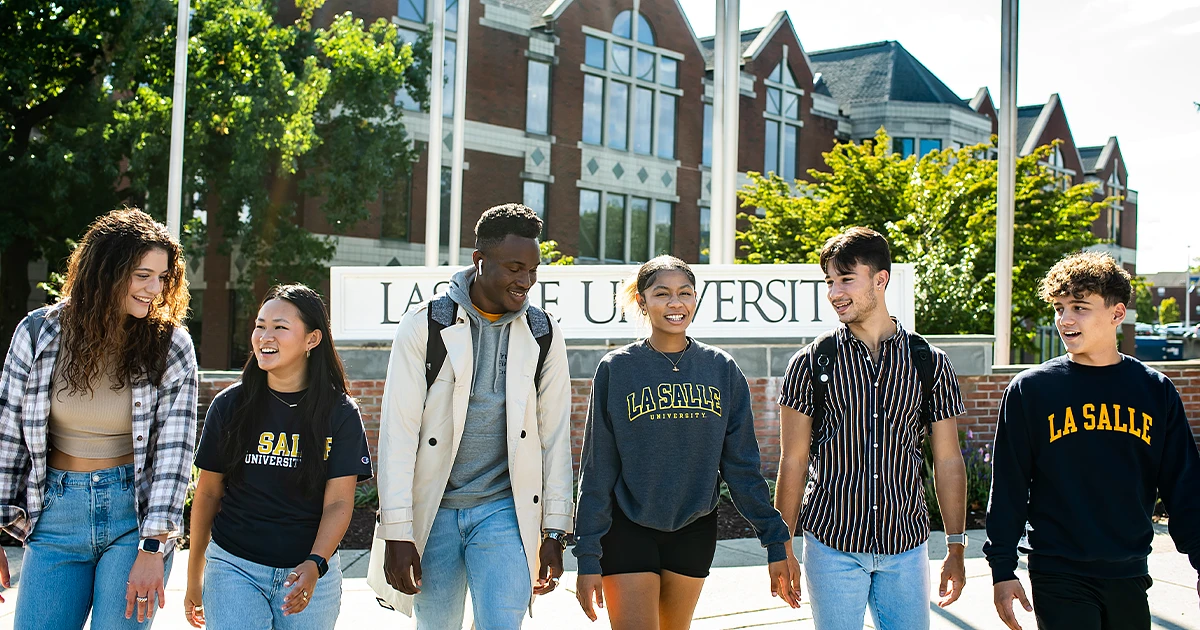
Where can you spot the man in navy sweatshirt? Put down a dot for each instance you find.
(1084, 445)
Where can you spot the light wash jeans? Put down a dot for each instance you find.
(244, 595)
(80, 553)
(478, 548)
(841, 585)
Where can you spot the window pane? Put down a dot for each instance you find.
(614, 229)
(666, 126)
(411, 10)
(777, 74)
(791, 135)
(537, 98)
(594, 56)
(662, 228)
(791, 106)
(773, 101)
(771, 159)
(903, 146)
(930, 145)
(534, 198)
(444, 233)
(788, 79)
(639, 229)
(403, 99)
(622, 26)
(589, 224)
(451, 15)
(448, 76)
(643, 113)
(668, 70)
(645, 66)
(593, 109)
(705, 226)
(706, 154)
(620, 58)
(618, 115)
(394, 208)
(645, 33)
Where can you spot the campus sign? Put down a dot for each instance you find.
(751, 302)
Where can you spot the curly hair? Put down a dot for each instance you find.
(97, 331)
(498, 222)
(1085, 273)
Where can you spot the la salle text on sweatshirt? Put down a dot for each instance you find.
(1081, 453)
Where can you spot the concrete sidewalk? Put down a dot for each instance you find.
(735, 595)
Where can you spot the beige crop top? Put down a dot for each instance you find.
(98, 425)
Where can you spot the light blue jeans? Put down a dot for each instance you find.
(240, 594)
(78, 558)
(842, 585)
(478, 548)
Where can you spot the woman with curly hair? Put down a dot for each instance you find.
(97, 428)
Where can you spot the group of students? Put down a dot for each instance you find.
(98, 402)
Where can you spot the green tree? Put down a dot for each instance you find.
(1168, 311)
(551, 256)
(939, 213)
(1144, 302)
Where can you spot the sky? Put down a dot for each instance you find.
(1124, 68)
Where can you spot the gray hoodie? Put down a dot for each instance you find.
(480, 471)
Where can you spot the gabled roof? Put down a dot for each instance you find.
(820, 86)
(1089, 156)
(707, 45)
(1096, 159)
(880, 72)
(535, 8)
(1027, 119)
(754, 41)
(981, 98)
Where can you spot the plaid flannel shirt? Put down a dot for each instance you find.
(164, 432)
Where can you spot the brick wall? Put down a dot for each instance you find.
(981, 394)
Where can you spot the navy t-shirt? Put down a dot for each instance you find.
(267, 518)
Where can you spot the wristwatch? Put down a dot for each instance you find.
(557, 535)
(956, 539)
(322, 564)
(151, 545)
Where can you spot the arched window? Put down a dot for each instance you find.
(623, 27)
(783, 122)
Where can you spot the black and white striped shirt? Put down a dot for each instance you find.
(864, 492)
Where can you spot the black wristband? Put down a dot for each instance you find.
(322, 564)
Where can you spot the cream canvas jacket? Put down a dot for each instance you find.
(419, 434)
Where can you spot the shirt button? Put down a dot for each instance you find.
(874, 507)
(874, 415)
(875, 476)
(876, 445)
(876, 384)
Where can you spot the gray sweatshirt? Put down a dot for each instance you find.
(480, 471)
(659, 442)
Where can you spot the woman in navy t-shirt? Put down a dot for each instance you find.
(275, 515)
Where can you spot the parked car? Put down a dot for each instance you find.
(1144, 330)
(1175, 330)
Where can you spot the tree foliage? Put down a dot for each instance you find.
(1143, 301)
(939, 213)
(1168, 311)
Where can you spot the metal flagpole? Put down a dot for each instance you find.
(1006, 181)
(716, 226)
(732, 57)
(459, 134)
(178, 103)
(433, 179)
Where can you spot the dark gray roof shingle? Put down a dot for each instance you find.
(1026, 117)
(879, 72)
(1089, 155)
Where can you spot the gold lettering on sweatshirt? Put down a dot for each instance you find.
(674, 401)
(1109, 418)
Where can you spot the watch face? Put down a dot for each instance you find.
(150, 545)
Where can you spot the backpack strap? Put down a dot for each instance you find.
(922, 358)
(441, 311)
(543, 333)
(824, 349)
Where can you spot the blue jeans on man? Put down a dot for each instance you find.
(841, 586)
(477, 549)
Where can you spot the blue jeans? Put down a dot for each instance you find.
(78, 557)
(478, 548)
(246, 595)
(841, 585)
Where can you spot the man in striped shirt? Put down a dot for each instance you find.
(864, 519)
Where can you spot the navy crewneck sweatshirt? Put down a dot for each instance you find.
(1081, 453)
(659, 442)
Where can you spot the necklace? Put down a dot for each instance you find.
(290, 405)
(675, 363)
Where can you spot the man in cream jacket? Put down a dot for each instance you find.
(474, 475)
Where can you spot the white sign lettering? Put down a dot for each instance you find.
(735, 301)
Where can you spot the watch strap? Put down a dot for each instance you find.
(322, 564)
(956, 539)
(151, 545)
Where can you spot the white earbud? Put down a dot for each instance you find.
(479, 268)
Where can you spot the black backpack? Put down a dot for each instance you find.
(825, 354)
(443, 310)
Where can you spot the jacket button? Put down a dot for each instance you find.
(137, 404)
(139, 438)
(522, 434)
(433, 441)
(535, 499)
(139, 470)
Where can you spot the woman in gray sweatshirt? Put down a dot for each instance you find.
(669, 418)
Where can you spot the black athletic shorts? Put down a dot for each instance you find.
(632, 548)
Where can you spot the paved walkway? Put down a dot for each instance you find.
(735, 595)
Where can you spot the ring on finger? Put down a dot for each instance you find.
(142, 599)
